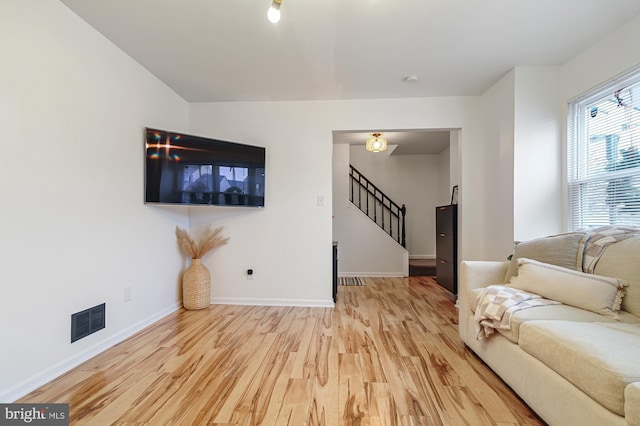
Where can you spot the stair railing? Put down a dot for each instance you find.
(381, 209)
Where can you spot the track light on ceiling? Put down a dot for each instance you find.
(273, 14)
(376, 143)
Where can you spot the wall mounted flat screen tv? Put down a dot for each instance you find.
(186, 169)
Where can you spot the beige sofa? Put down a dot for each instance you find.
(569, 364)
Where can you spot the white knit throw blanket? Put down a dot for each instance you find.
(497, 303)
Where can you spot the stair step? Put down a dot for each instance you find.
(422, 267)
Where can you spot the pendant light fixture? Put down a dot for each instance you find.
(273, 14)
(376, 143)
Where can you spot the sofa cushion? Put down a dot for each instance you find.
(620, 260)
(600, 359)
(564, 250)
(559, 312)
(599, 294)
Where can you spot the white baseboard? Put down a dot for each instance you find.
(373, 274)
(56, 370)
(422, 256)
(313, 303)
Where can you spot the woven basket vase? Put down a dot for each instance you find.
(196, 286)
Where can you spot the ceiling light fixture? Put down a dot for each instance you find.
(273, 14)
(376, 143)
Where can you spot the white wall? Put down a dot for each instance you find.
(522, 131)
(74, 228)
(364, 251)
(525, 136)
(537, 164)
(290, 240)
(444, 177)
(412, 180)
(496, 163)
(611, 56)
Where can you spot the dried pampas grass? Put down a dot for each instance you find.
(209, 240)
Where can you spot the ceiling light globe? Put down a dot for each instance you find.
(273, 15)
(376, 143)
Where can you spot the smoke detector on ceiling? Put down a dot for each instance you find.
(411, 78)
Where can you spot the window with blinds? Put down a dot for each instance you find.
(603, 158)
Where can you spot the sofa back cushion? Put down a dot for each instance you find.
(622, 260)
(564, 250)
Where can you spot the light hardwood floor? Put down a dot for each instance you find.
(388, 354)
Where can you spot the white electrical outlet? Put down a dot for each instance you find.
(127, 294)
(320, 200)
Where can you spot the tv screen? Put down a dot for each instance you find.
(186, 169)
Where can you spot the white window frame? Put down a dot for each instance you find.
(580, 207)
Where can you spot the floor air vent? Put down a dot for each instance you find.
(87, 322)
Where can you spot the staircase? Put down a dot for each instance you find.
(381, 209)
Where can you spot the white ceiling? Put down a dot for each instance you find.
(409, 142)
(215, 50)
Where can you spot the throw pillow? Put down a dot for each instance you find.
(564, 250)
(596, 293)
(621, 260)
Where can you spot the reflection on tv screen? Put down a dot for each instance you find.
(185, 169)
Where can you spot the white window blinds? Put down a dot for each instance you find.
(603, 158)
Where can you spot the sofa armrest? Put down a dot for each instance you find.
(477, 274)
(632, 404)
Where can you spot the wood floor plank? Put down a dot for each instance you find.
(351, 397)
(325, 402)
(387, 354)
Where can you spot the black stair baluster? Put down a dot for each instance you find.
(367, 198)
(404, 240)
(351, 180)
(375, 203)
(360, 191)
